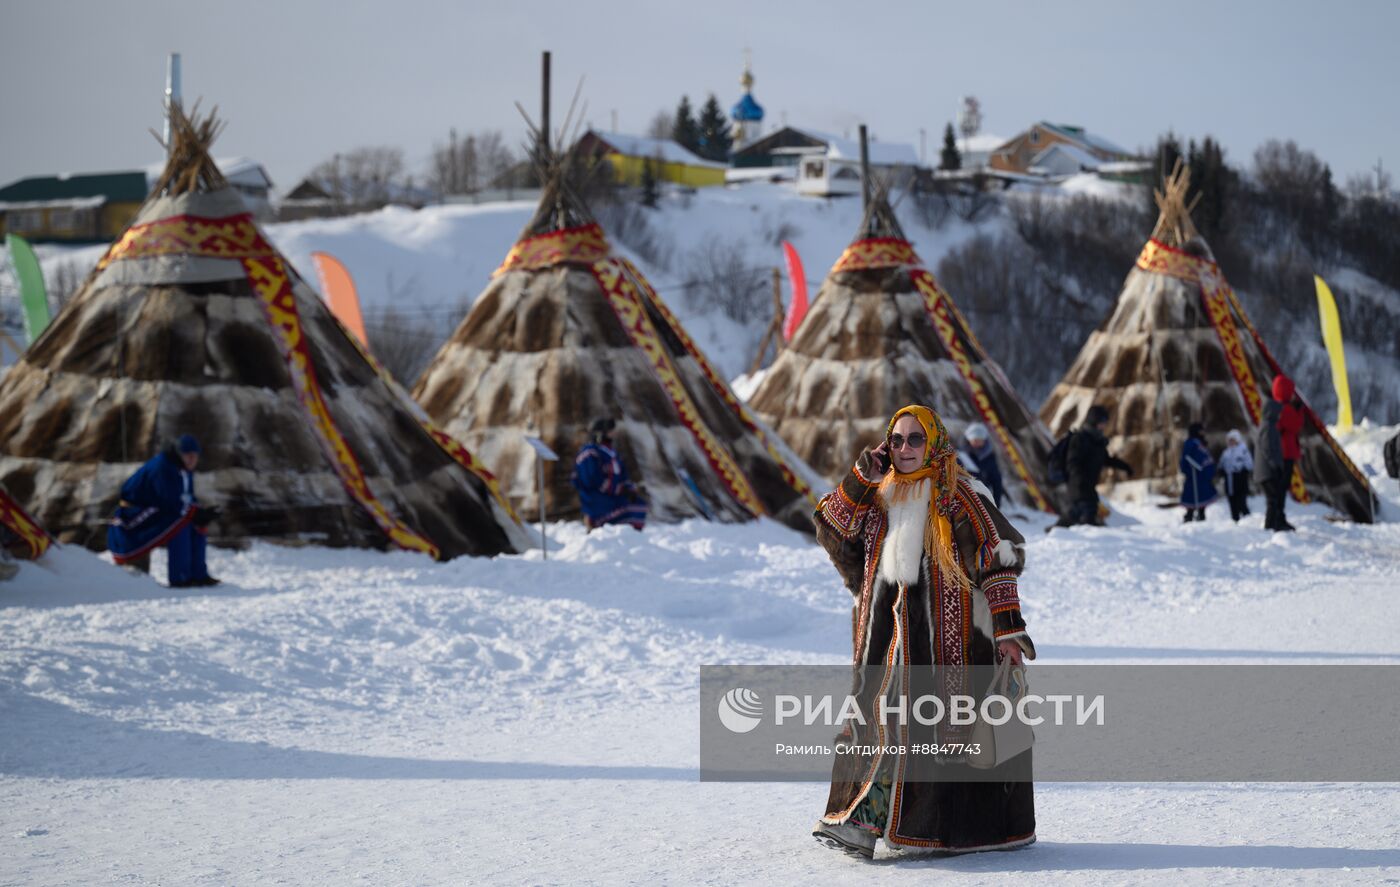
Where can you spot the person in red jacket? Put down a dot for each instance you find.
(1277, 450)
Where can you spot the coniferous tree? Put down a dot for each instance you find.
(715, 140)
(1163, 160)
(949, 158)
(1213, 180)
(684, 130)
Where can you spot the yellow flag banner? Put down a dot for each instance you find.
(1332, 338)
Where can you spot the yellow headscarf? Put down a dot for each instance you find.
(940, 463)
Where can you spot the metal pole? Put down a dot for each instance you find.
(864, 169)
(539, 474)
(172, 92)
(544, 106)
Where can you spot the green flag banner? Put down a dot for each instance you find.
(31, 286)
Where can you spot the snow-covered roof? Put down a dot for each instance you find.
(1081, 157)
(668, 150)
(58, 203)
(241, 172)
(1125, 166)
(881, 153)
(982, 143)
(1084, 136)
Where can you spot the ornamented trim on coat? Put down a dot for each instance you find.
(843, 509)
(941, 313)
(623, 297)
(583, 245)
(1000, 589)
(158, 540)
(22, 525)
(876, 526)
(876, 252)
(721, 389)
(874, 768)
(237, 237)
(1222, 306)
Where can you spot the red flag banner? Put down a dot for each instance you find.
(797, 307)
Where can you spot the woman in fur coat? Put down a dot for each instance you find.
(933, 566)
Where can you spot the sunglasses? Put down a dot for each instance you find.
(915, 440)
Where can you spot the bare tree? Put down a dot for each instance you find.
(660, 125)
(364, 175)
(723, 278)
(494, 156)
(453, 167)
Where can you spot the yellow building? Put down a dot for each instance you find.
(630, 155)
(91, 208)
(98, 207)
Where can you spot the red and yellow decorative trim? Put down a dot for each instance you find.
(1158, 258)
(942, 313)
(22, 525)
(1215, 295)
(584, 245)
(623, 297)
(234, 237)
(237, 237)
(720, 388)
(876, 252)
(269, 279)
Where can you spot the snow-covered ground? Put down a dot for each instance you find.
(334, 716)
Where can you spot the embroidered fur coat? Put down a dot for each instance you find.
(907, 615)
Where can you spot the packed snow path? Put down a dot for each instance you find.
(358, 717)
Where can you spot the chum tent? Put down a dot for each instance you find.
(882, 333)
(566, 332)
(1179, 348)
(192, 322)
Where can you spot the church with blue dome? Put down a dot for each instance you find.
(747, 113)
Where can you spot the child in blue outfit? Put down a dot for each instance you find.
(158, 507)
(605, 494)
(1198, 488)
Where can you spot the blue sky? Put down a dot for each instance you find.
(299, 81)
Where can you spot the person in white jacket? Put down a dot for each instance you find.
(1237, 464)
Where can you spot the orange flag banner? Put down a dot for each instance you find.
(339, 290)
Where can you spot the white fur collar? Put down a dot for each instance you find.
(902, 556)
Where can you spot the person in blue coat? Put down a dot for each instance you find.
(158, 507)
(1198, 487)
(605, 494)
(980, 459)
